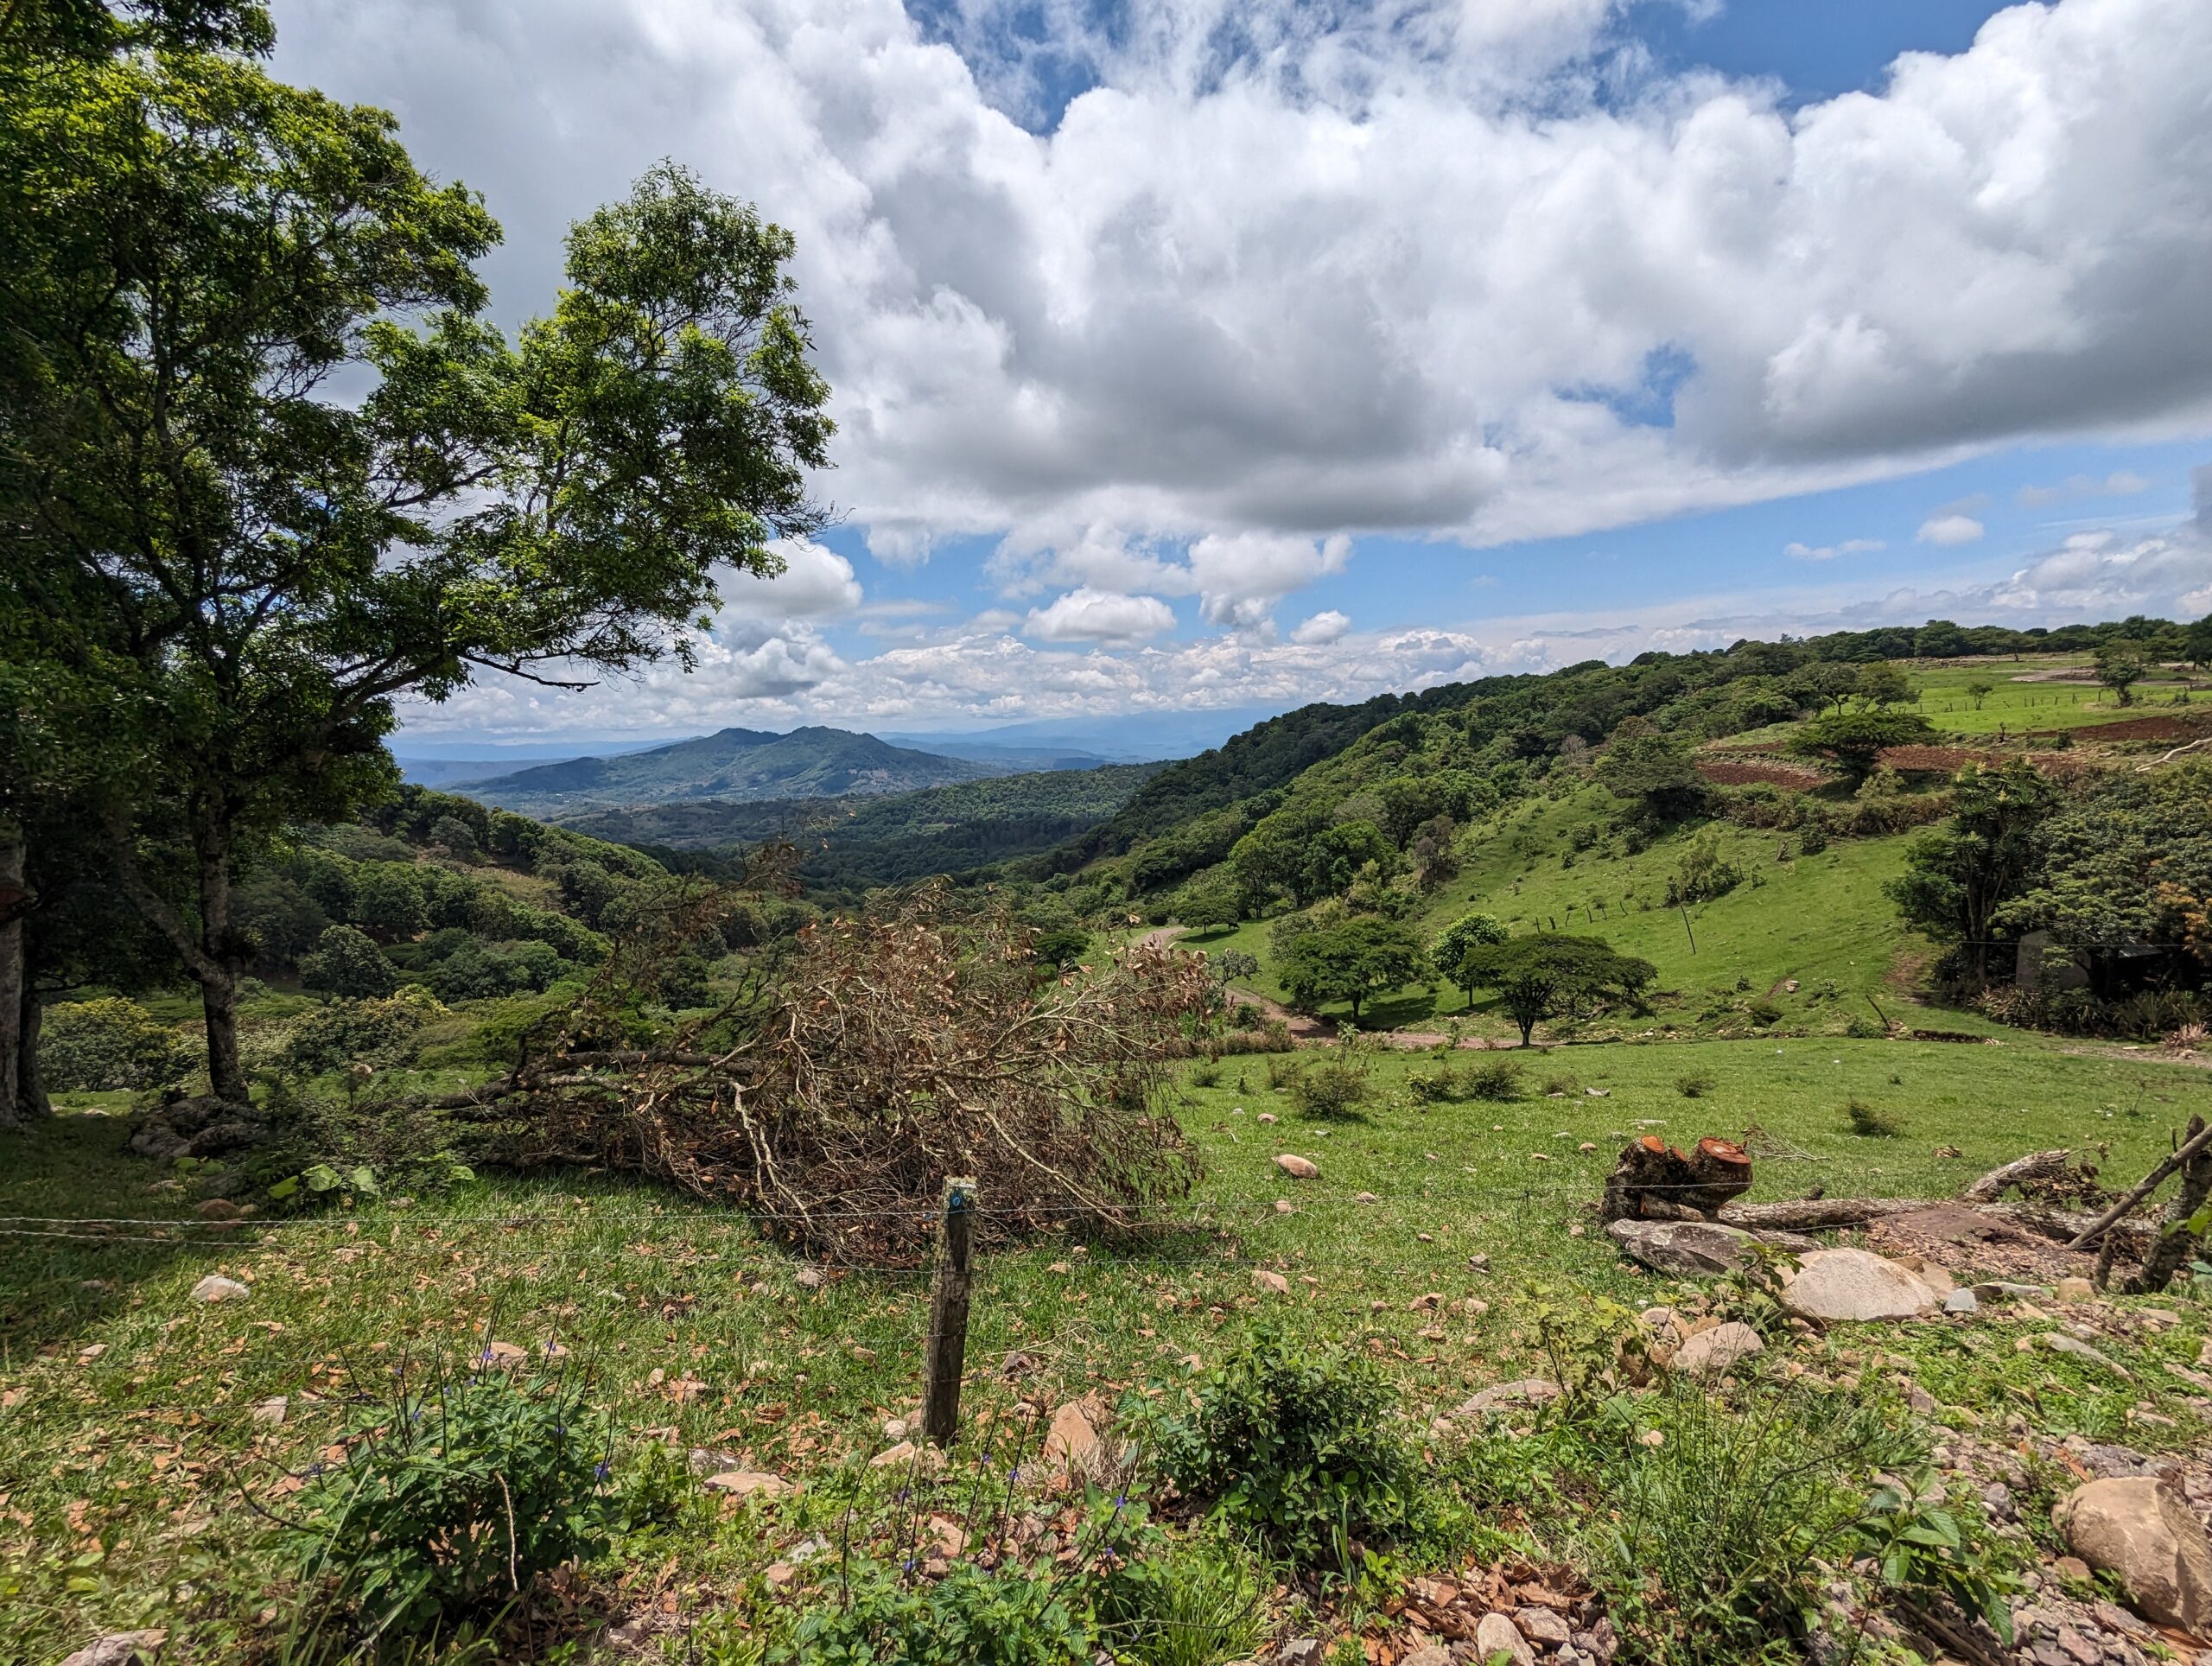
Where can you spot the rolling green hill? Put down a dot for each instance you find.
(734, 764)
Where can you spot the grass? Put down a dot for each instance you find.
(126, 1435)
(2026, 698)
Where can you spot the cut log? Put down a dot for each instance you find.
(1652, 1180)
(2036, 1165)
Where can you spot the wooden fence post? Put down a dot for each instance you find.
(948, 1355)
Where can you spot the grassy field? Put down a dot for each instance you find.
(1821, 919)
(128, 1448)
(2035, 694)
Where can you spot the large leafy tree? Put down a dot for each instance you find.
(1855, 741)
(1959, 877)
(1655, 772)
(1350, 961)
(1552, 976)
(272, 469)
(2120, 665)
(1460, 941)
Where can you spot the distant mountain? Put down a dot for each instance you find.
(736, 765)
(439, 763)
(1136, 738)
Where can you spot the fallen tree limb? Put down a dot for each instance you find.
(2198, 1138)
(2177, 1235)
(1816, 1214)
(2036, 1165)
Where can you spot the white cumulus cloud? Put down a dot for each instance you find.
(1325, 627)
(1947, 530)
(1088, 615)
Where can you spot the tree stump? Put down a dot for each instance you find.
(1653, 1180)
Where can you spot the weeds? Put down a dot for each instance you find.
(1332, 1090)
(1869, 1122)
(1496, 1080)
(1695, 1084)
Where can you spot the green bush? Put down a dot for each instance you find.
(1207, 1075)
(458, 1490)
(1494, 1079)
(1869, 1122)
(99, 1046)
(1695, 1084)
(1298, 1447)
(1440, 1086)
(474, 971)
(379, 1033)
(1010, 1616)
(1181, 1604)
(344, 962)
(1332, 1090)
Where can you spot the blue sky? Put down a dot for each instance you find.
(1190, 354)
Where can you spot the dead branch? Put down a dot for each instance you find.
(2036, 1165)
(1815, 1214)
(2197, 1140)
(2178, 1230)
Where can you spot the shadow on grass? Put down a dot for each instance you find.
(57, 1282)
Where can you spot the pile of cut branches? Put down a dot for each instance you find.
(915, 1042)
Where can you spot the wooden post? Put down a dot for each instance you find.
(948, 1355)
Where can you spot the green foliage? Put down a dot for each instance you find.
(1460, 939)
(2121, 665)
(1958, 878)
(1855, 741)
(1704, 874)
(1870, 1122)
(344, 962)
(1655, 772)
(1494, 1079)
(1212, 898)
(1546, 976)
(1332, 1089)
(1922, 1550)
(1013, 1615)
(1299, 1447)
(1882, 685)
(475, 970)
(1062, 946)
(1180, 1603)
(380, 1033)
(1350, 961)
(99, 1046)
(459, 1488)
(1725, 1519)
(1695, 1084)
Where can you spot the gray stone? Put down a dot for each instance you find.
(1796, 1243)
(2141, 1530)
(1856, 1285)
(1962, 1301)
(216, 1287)
(2000, 1290)
(1524, 1392)
(2075, 1348)
(1711, 1353)
(1496, 1635)
(117, 1649)
(1542, 1626)
(1682, 1248)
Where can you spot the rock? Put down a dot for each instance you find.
(2075, 1348)
(217, 1139)
(219, 1209)
(1432, 1654)
(1496, 1635)
(2072, 1569)
(118, 1649)
(744, 1483)
(269, 1413)
(501, 1357)
(1367, 1196)
(2076, 1289)
(2141, 1531)
(1716, 1350)
(1300, 1651)
(1855, 1285)
(1962, 1301)
(216, 1287)
(809, 1278)
(1073, 1440)
(892, 1457)
(1274, 1282)
(1016, 1365)
(1267, 1117)
(1298, 1167)
(2001, 1290)
(1522, 1391)
(1667, 1326)
(1682, 1248)
(1541, 1625)
(1792, 1243)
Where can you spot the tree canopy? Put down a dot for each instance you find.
(1352, 961)
(1462, 939)
(1958, 876)
(1855, 741)
(1550, 976)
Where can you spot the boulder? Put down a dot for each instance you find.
(1542, 1626)
(1711, 1353)
(892, 1457)
(1856, 1284)
(216, 1287)
(1682, 1248)
(2141, 1531)
(2076, 1289)
(1962, 1301)
(1496, 1635)
(1299, 1168)
(1073, 1441)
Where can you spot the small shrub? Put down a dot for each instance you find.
(1813, 840)
(1561, 1087)
(379, 1033)
(1184, 1605)
(1870, 1122)
(1765, 1012)
(1282, 1071)
(1207, 1075)
(1332, 1090)
(1297, 1448)
(1439, 1087)
(347, 963)
(1013, 1615)
(458, 1489)
(1695, 1084)
(1494, 1079)
(99, 1046)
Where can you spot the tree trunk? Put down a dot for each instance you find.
(2177, 1237)
(31, 1103)
(219, 962)
(15, 978)
(1652, 1180)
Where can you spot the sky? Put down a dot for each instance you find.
(1193, 355)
